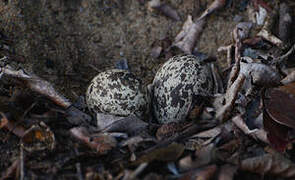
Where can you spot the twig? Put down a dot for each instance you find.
(228, 50)
(216, 5)
(137, 171)
(11, 126)
(256, 133)
(164, 8)
(11, 172)
(38, 85)
(194, 129)
(191, 31)
(289, 78)
(22, 165)
(240, 32)
(102, 144)
(230, 98)
(284, 57)
(266, 34)
(78, 167)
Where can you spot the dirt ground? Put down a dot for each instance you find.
(68, 42)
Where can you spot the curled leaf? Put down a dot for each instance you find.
(277, 120)
(274, 100)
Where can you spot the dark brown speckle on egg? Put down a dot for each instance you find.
(117, 92)
(181, 79)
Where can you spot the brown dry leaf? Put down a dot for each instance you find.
(277, 120)
(37, 84)
(167, 153)
(186, 163)
(227, 172)
(205, 155)
(269, 164)
(171, 129)
(277, 98)
(131, 125)
(11, 126)
(259, 134)
(153, 176)
(200, 174)
(288, 88)
(102, 142)
(289, 79)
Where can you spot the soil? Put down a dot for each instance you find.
(68, 42)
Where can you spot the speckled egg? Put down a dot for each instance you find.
(117, 92)
(178, 86)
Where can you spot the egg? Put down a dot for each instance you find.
(117, 92)
(178, 86)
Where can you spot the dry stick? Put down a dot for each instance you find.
(12, 170)
(137, 171)
(290, 78)
(38, 85)
(191, 31)
(164, 8)
(194, 129)
(81, 134)
(236, 68)
(285, 56)
(11, 126)
(259, 134)
(235, 82)
(78, 166)
(266, 34)
(228, 50)
(217, 4)
(22, 166)
(230, 98)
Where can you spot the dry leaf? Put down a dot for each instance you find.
(227, 172)
(205, 173)
(167, 153)
(269, 164)
(102, 143)
(171, 129)
(131, 125)
(277, 120)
